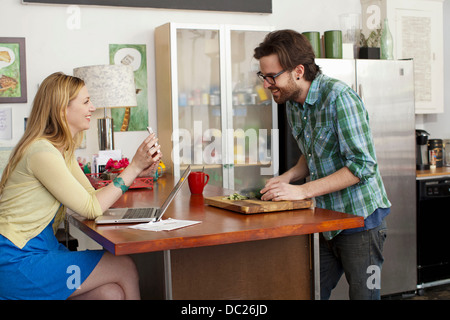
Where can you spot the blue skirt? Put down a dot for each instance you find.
(44, 269)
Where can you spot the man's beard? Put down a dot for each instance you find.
(290, 92)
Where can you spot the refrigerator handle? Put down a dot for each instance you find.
(361, 93)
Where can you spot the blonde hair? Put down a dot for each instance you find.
(48, 120)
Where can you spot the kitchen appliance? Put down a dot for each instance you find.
(422, 150)
(387, 89)
(433, 257)
(435, 149)
(447, 152)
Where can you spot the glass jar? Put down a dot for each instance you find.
(446, 153)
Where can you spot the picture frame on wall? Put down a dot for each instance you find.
(254, 6)
(13, 78)
(135, 55)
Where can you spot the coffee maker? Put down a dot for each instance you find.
(422, 150)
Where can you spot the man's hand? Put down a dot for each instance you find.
(278, 189)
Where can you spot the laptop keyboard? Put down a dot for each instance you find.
(136, 213)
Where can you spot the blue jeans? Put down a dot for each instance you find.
(360, 256)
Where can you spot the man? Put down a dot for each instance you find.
(331, 126)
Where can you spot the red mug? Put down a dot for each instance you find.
(197, 181)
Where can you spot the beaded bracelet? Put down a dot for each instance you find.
(118, 182)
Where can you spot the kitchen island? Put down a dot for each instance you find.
(226, 256)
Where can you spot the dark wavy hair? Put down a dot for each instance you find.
(292, 49)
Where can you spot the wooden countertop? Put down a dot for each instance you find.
(218, 226)
(433, 173)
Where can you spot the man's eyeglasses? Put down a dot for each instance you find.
(269, 79)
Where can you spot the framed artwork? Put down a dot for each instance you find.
(136, 118)
(13, 78)
(257, 6)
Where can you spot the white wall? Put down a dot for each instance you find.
(438, 125)
(51, 46)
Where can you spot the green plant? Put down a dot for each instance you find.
(372, 41)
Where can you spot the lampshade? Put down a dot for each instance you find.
(109, 86)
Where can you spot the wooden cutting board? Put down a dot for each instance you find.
(250, 206)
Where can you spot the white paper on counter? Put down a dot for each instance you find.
(165, 225)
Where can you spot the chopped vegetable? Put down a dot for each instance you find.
(235, 196)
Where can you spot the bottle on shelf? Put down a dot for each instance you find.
(387, 43)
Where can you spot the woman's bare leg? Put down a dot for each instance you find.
(110, 291)
(114, 277)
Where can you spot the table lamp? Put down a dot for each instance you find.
(109, 86)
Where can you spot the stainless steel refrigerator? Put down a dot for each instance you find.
(387, 89)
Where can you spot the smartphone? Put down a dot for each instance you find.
(150, 131)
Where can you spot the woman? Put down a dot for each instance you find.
(41, 179)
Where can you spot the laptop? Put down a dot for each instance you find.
(133, 215)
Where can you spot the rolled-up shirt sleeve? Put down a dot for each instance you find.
(66, 183)
(355, 137)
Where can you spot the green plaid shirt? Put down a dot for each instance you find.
(332, 131)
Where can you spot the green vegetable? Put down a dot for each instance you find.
(255, 195)
(235, 196)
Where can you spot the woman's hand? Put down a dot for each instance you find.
(144, 163)
(147, 156)
(150, 171)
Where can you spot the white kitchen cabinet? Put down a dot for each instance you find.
(417, 29)
(213, 112)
